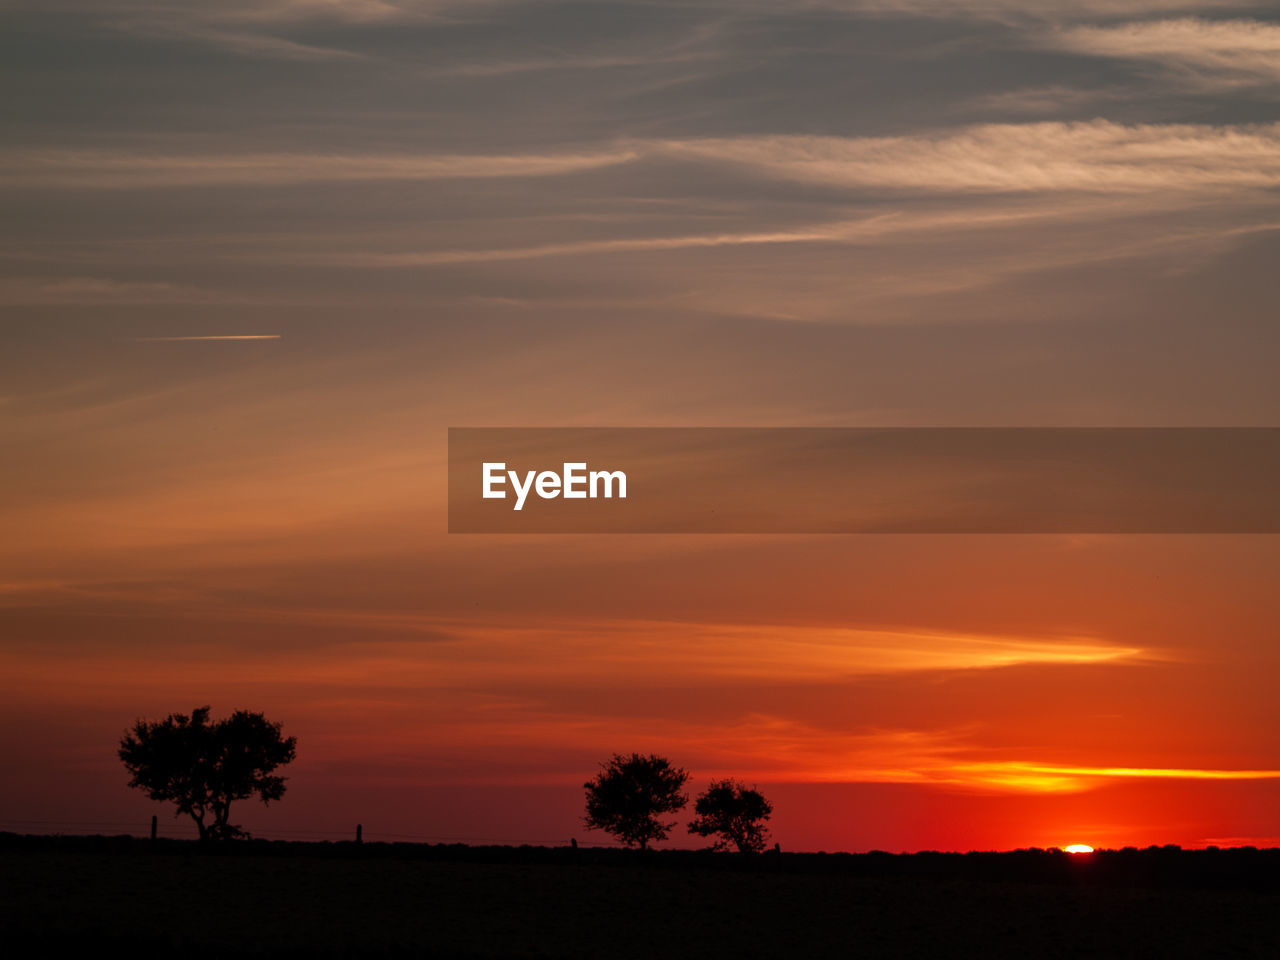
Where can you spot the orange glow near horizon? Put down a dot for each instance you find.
(413, 704)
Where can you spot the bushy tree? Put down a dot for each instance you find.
(631, 794)
(733, 812)
(202, 767)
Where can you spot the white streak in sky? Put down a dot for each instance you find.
(239, 336)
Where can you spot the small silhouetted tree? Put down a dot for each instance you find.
(735, 813)
(631, 794)
(202, 767)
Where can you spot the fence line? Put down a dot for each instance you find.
(178, 830)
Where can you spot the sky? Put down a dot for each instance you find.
(258, 257)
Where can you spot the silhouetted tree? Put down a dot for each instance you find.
(202, 767)
(733, 812)
(629, 795)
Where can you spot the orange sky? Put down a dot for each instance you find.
(416, 216)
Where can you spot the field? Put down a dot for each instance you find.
(333, 900)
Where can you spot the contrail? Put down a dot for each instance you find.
(239, 336)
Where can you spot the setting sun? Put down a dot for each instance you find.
(1078, 848)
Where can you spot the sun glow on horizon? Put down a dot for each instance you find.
(1078, 848)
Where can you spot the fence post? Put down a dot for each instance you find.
(153, 826)
(359, 833)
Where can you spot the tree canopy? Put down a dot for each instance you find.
(631, 794)
(733, 812)
(202, 767)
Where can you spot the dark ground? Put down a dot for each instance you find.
(291, 899)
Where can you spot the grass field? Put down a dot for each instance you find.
(89, 895)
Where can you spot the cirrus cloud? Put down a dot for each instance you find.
(124, 169)
(1213, 53)
(1098, 156)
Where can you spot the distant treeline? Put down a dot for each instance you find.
(1169, 866)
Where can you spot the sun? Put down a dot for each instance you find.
(1078, 848)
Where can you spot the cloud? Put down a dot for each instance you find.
(1023, 9)
(981, 204)
(938, 758)
(1013, 12)
(897, 226)
(1048, 777)
(1046, 101)
(69, 291)
(590, 651)
(1214, 53)
(233, 336)
(381, 11)
(1051, 173)
(498, 68)
(349, 10)
(504, 689)
(422, 258)
(244, 42)
(1098, 157)
(1039, 195)
(266, 11)
(245, 27)
(122, 169)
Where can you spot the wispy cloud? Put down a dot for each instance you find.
(1049, 101)
(502, 688)
(499, 68)
(1213, 53)
(1021, 10)
(1032, 196)
(381, 11)
(352, 11)
(235, 336)
(1098, 156)
(421, 258)
(1049, 173)
(69, 291)
(251, 28)
(1048, 777)
(587, 651)
(895, 226)
(249, 43)
(348, 10)
(937, 758)
(271, 11)
(108, 169)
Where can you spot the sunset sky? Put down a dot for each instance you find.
(259, 256)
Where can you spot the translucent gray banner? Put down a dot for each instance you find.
(864, 480)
